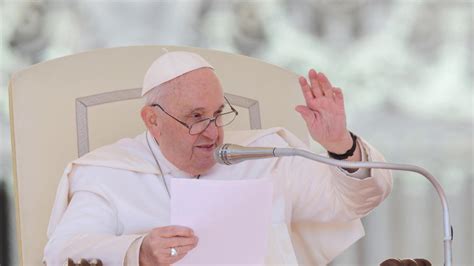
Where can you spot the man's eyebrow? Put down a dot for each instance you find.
(198, 109)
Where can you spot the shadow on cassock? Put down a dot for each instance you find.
(4, 241)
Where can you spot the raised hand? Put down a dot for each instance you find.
(324, 113)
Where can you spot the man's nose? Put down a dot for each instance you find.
(211, 131)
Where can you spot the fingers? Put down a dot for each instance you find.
(184, 249)
(319, 86)
(168, 259)
(156, 246)
(325, 85)
(179, 241)
(303, 110)
(180, 250)
(315, 83)
(309, 116)
(338, 96)
(307, 91)
(174, 230)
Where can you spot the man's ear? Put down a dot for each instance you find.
(150, 119)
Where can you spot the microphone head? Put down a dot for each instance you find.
(232, 153)
(220, 154)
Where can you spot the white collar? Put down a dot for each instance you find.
(165, 164)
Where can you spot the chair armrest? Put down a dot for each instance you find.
(84, 262)
(405, 262)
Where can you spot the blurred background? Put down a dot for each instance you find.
(405, 66)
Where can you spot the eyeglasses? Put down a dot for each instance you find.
(220, 120)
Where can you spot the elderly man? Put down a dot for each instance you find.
(113, 203)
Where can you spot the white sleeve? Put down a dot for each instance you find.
(88, 229)
(325, 193)
(133, 253)
(361, 173)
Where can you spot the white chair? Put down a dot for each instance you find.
(62, 108)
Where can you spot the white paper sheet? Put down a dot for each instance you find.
(230, 217)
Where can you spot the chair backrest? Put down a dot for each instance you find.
(62, 108)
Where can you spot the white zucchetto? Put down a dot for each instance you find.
(171, 65)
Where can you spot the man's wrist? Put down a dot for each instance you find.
(340, 146)
(143, 259)
(344, 153)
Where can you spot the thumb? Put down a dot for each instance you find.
(306, 113)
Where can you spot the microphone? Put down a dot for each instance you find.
(232, 154)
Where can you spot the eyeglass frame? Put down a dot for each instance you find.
(210, 119)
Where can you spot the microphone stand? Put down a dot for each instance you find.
(448, 229)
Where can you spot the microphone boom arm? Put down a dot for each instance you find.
(448, 230)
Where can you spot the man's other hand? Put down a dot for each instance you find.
(156, 246)
(324, 113)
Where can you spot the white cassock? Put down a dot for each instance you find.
(110, 198)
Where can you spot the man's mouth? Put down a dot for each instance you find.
(206, 146)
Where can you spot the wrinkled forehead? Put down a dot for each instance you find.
(199, 88)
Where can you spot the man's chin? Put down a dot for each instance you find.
(204, 168)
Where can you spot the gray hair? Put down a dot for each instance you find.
(159, 93)
(152, 96)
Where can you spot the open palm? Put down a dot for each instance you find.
(324, 110)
